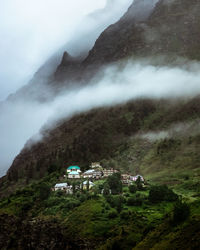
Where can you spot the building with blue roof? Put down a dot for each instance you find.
(73, 168)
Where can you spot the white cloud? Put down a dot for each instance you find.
(31, 31)
(21, 120)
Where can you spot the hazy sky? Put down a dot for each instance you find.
(31, 30)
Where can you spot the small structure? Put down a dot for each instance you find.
(92, 173)
(134, 178)
(108, 172)
(73, 168)
(60, 186)
(85, 183)
(69, 190)
(96, 165)
(74, 175)
(97, 174)
(89, 173)
(125, 179)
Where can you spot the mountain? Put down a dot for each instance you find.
(162, 28)
(157, 138)
(125, 38)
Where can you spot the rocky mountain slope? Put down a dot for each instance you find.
(171, 28)
(159, 139)
(79, 141)
(133, 35)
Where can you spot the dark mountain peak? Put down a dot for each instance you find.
(67, 58)
(68, 67)
(140, 10)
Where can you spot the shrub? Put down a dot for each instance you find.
(82, 197)
(124, 215)
(161, 193)
(132, 188)
(139, 183)
(70, 204)
(59, 193)
(113, 214)
(116, 201)
(181, 212)
(106, 189)
(115, 184)
(44, 191)
(135, 201)
(127, 195)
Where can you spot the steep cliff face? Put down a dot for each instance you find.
(172, 27)
(166, 29)
(148, 28)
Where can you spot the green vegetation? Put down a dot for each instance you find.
(121, 219)
(110, 216)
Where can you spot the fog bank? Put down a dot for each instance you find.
(32, 31)
(22, 119)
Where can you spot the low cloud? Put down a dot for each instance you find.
(32, 31)
(21, 120)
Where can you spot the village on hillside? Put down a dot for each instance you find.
(88, 178)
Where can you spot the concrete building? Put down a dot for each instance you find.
(74, 175)
(60, 186)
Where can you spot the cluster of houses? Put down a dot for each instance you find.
(69, 188)
(129, 179)
(95, 172)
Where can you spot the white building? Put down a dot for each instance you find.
(108, 172)
(85, 183)
(89, 173)
(92, 173)
(96, 165)
(74, 175)
(60, 186)
(134, 178)
(73, 168)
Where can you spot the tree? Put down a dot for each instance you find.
(88, 185)
(106, 189)
(181, 212)
(73, 187)
(114, 181)
(52, 168)
(139, 183)
(44, 191)
(161, 193)
(132, 188)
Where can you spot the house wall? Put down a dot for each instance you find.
(74, 176)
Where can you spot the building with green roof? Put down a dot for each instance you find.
(74, 168)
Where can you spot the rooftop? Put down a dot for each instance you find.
(91, 183)
(73, 167)
(89, 171)
(61, 185)
(74, 172)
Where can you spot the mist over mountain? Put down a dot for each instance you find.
(146, 67)
(116, 95)
(133, 36)
(34, 34)
(38, 89)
